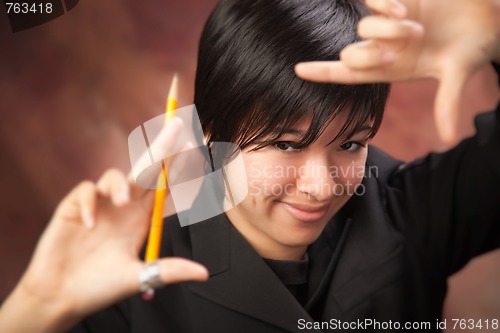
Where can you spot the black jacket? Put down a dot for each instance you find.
(385, 258)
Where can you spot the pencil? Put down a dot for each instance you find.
(155, 232)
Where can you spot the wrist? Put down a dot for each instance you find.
(496, 50)
(23, 311)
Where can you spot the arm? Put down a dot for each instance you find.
(96, 229)
(460, 36)
(446, 204)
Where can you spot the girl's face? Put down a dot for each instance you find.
(292, 193)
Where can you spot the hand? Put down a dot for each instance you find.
(87, 258)
(460, 36)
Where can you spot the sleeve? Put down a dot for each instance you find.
(448, 205)
(113, 319)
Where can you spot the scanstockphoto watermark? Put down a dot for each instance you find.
(363, 324)
(313, 169)
(372, 325)
(266, 188)
(277, 180)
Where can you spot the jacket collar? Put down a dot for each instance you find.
(372, 254)
(239, 278)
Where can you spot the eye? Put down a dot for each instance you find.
(285, 146)
(351, 146)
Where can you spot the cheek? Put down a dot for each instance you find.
(269, 178)
(348, 173)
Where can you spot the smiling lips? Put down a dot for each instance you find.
(305, 213)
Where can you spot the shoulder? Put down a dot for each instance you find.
(182, 241)
(381, 165)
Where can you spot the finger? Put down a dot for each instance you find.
(338, 72)
(171, 270)
(174, 270)
(87, 193)
(114, 184)
(161, 146)
(366, 55)
(78, 205)
(381, 27)
(392, 8)
(447, 103)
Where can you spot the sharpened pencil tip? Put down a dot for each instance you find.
(174, 87)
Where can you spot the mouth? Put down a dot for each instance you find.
(305, 213)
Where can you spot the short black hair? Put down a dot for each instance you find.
(246, 89)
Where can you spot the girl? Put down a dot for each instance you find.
(333, 234)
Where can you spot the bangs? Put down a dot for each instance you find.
(277, 113)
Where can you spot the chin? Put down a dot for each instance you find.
(299, 238)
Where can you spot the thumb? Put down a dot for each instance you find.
(447, 102)
(175, 270)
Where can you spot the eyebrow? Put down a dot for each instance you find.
(360, 130)
(299, 133)
(363, 128)
(291, 131)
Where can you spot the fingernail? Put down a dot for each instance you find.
(416, 28)
(202, 270)
(399, 10)
(88, 219)
(124, 195)
(389, 57)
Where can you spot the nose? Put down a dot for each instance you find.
(316, 179)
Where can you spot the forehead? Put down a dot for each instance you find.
(336, 127)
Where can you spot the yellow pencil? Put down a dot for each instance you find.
(155, 232)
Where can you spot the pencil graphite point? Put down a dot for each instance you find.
(172, 99)
(174, 87)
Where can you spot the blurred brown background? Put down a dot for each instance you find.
(72, 90)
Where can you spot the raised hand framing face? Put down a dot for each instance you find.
(87, 258)
(413, 39)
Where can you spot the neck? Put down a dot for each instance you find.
(264, 245)
(290, 254)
